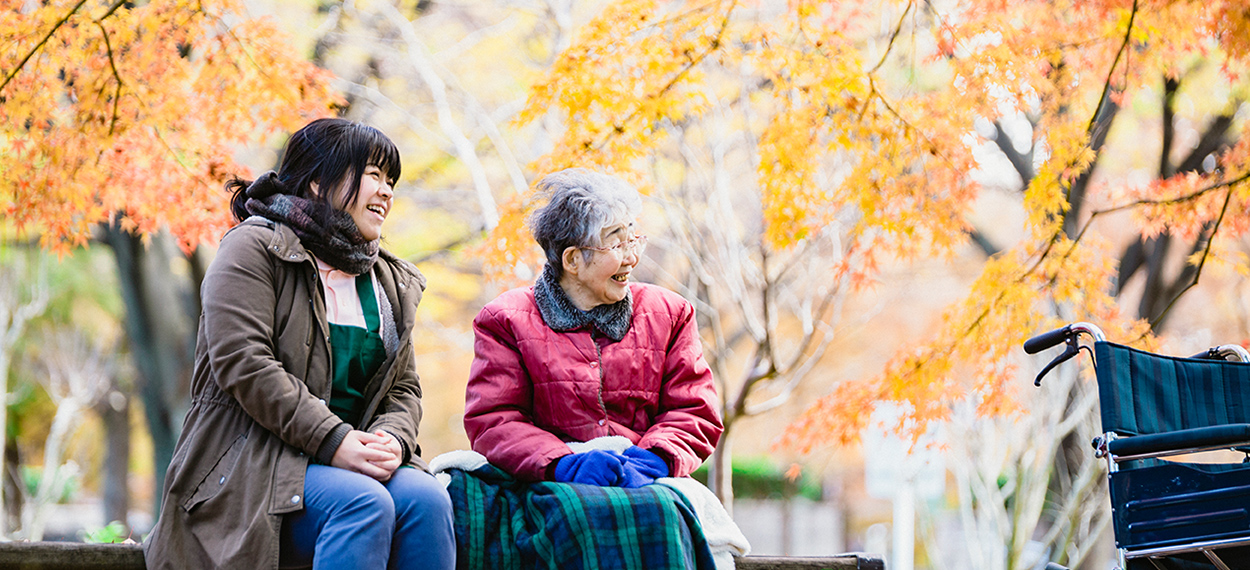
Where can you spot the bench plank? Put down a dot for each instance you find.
(853, 561)
(70, 556)
(80, 556)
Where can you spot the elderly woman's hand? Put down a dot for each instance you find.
(594, 467)
(642, 467)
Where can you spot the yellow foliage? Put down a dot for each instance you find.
(111, 110)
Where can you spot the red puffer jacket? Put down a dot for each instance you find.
(532, 388)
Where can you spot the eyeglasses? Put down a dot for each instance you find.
(636, 244)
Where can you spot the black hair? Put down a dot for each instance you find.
(325, 152)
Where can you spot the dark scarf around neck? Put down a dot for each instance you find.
(559, 312)
(328, 232)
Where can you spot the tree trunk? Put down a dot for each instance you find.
(159, 327)
(67, 418)
(13, 493)
(114, 410)
(720, 474)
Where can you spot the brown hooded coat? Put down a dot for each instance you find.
(258, 399)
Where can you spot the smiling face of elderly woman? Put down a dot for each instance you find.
(587, 230)
(603, 277)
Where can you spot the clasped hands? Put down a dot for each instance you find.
(633, 468)
(376, 454)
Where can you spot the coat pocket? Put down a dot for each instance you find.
(217, 478)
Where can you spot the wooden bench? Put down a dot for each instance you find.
(79, 556)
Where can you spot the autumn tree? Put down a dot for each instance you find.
(126, 116)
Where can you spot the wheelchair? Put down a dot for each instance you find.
(1169, 514)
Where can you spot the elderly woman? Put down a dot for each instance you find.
(586, 353)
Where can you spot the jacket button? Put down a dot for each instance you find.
(295, 500)
(323, 402)
(293, 256)
(600, 422)
(222, 481)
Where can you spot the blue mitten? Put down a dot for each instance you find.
(642, 467)
(594, 467)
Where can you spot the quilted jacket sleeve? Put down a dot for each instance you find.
(688, 425)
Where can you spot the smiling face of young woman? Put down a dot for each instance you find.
(373, 202)
(604, 279)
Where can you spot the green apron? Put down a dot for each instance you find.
(357, 353)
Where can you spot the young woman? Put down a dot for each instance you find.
(300, 445)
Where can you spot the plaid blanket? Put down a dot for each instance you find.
(502, 523)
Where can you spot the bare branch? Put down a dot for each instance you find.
(418, 57)
(1106, 86)
(117, 93)
(898, 28)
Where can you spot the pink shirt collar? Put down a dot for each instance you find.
(342, 302)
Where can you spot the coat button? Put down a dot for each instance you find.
(295, 500)
(323, 402)
(222, 481)
(293, 256)
(600, 422)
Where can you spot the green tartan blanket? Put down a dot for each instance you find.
(502, 523)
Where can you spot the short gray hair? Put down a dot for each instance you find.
(578, 204)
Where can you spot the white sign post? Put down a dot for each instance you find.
(895, 469)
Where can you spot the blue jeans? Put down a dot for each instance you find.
(353, 521)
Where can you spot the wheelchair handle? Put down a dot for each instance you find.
(1067, 335)
(1223, 352)
(1046, 340)
(1053, 338)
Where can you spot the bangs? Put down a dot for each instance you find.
(385, 156)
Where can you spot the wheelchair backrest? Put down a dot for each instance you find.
(1143, 393)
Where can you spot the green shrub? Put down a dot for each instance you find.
(115, 531)
(760, 478)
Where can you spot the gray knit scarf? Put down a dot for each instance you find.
(559, 312)
(328, 232)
